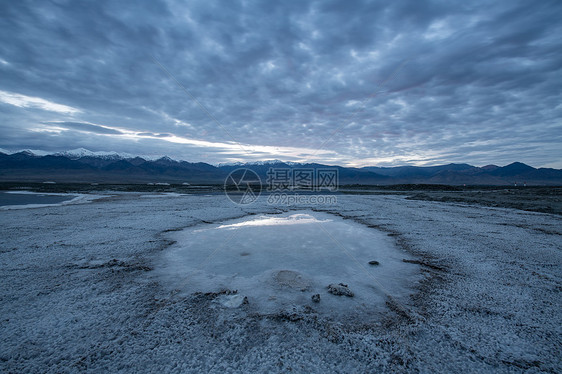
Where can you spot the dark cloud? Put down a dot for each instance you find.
(369, 81)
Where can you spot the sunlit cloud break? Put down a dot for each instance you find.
(24, 101)
(289, 153)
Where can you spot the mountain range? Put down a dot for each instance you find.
(111, 167)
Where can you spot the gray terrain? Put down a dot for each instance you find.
(80, 292)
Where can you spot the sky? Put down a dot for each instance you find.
(353, 83)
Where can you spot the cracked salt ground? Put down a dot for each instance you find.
(280, 261)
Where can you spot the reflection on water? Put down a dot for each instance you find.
(17, 198)
(294, 219)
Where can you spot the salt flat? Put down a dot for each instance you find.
(81, 291)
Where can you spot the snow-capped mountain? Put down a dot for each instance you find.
(83, 152)
(258, 163)
(78, 153)
(84, 165)
(30, 152)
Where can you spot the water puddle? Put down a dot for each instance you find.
(296, 259)
(32, 199)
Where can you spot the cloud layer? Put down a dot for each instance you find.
(345, 82)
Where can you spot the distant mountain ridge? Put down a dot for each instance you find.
(82, 165)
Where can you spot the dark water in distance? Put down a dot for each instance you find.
(27, 199)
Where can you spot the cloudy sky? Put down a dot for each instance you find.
(341, 82)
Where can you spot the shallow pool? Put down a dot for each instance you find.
(281, 261)
(9, 198)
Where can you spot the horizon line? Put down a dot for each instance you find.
(126, 155)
